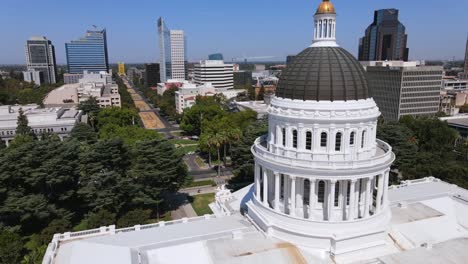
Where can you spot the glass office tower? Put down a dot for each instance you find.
(384, 39)
(40, 56)
(88, 53)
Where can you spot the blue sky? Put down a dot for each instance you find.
(437, 29)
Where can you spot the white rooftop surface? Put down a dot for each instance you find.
(429, 225)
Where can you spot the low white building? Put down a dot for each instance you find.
(186, 96)
(57, 120)
(98, 85)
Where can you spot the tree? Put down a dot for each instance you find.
(129, 134)
(205, 109)
(156, 168)
(102, 176)
(83, 133)
(117, 116)
(242, 158)
(134, 217)
(89, 106)
(10, 247)
(100, 218)
(57, 226)
(22, 125)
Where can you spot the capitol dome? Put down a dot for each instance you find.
(321, 174)
(323, 73)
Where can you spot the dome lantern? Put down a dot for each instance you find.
(325, 25)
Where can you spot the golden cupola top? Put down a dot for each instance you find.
(326, 7)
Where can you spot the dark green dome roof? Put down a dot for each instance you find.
(323, 74)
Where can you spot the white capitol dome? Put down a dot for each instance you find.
(321, 175)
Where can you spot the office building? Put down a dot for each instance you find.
(121, 68)
(88, 53)
(40, 56)
(152, 75)
(34, 76)
(384, 39)
(466, 57)
(57, 120)
(216, 56)
(98, 85)
(320, 193)
(173, 57)
(403, 88)
(218, 73)
(69, 78)
(242, 79)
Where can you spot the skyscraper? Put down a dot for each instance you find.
(466, 56)
(152, 75)
(88, 53)
(384, 39)
(172, 46)
(40, 56)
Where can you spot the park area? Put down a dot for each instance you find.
(200, 203)
(151, 120)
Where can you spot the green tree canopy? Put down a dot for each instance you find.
(10, 247)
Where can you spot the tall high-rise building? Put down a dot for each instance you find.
(88, 53)
(173, 57)
(152, 75)
(40, 56)
(404, 88)
(216, 56)
(384, 39)
(216, 72)
(466, 56)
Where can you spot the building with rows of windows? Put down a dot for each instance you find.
(56, 120)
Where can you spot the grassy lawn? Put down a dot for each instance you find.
(187, 149)
(200, 183)
(200, 161)
(200, 203)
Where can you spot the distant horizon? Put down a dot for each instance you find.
(229, 28)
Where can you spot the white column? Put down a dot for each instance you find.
(332, 199)
(345, 199)
(285, 193)
(368, 197)
(299, 192)
(356, 202)
(352, 199)
(293, 196)
(277, 191)
(385, 195)
(379, 192)
(265, 187)
(340, 194)
(257, 181)
(312, 197)
(362, 199)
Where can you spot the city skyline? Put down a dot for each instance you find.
(133, 39)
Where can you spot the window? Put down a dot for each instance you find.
(284, 136)
(338, 141)
(363, 138)
(337, 193)
(321, 191)
(309, 140)
(351, 138)
(294, 138)
(323, 139)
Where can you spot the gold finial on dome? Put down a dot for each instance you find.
(326, 7)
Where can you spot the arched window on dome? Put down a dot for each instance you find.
(352, 138)
(321, 192)
(309, 140)
(323, 139)
(320, 29)
(338, 140)
(363, 139)
(283, 131)
(294, 134)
